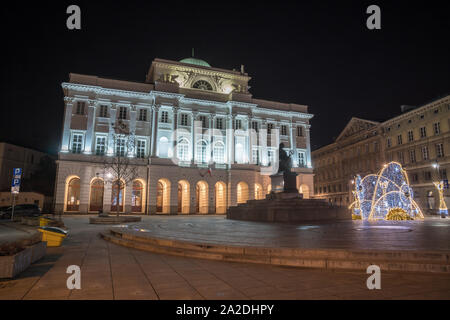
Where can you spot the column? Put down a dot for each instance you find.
(294, 144)
(90, 128)
(308, 147)
(249, 139)
(112, 120)
(132, 153)
(67, 121)
(193, 118)
(263, 142)
(155, 120)
(230, 138)
(175, 111)
(211, 127)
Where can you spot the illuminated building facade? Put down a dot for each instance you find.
(203, 117)
(419, 139)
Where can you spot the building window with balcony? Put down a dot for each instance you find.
(219, 123)
(423, 132)
(100, 145)
(201, 152)
(164, 117)
(410, 136)
(122, 113)
(103, 111)
(184, 119)
(437, 128)
(439, 150)
(299, 131)
(80, 107)
(283, 130)
(219, 152)
(400, 157)
(399, 139)
(415, 177)
(140, 149)
(425, 153)
(388, 142)
(183, 150)
(412, 156)
(427, 175)
(142, 114)
(77, 142)
(255, 156)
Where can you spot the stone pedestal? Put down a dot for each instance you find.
(286, 183)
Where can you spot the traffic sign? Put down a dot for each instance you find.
(15, 182)
(17, 173)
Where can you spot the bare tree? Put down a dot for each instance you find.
(119, 167)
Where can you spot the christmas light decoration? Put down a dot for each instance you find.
(386, 195)
(442, 206)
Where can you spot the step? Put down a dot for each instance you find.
(404, 261)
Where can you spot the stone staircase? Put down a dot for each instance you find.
(282, 207)
(395, 261)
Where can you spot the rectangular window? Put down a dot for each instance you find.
(439, 150)
(164, 117)
(427, 175)
(301, 159)
(443, 173)
(410, 136)
(425, 153)
(77, 142)
(283, 130)
(255, 156)
(123, 113)
(140, 149)
(299, 131)
(399, 139)
(415, 177)
(388, 142)
(412, 156)
(219, 123)
(423, 132)
(103, 111)
(203, 120)
(437, 128)
(271, 156)
(184, 119)
(100, 146)
(375, 146)
(255, 126)
(120, 147)
(80, 107)
(219, 153)
(238, 124)
(142, 114)
(269, 128)
(400, 157)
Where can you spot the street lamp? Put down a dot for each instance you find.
(439, 184)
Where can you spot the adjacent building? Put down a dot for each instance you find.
(199, 141)
(419, 139)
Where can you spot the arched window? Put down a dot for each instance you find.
(242, 192)
(96, 195)
(221, 197)
(183, 150)
(239, 153)
(258, 192)
(73, 195)
(136, 196)
(203, 85)
(163, 147)
(219, 152)
(201, 152)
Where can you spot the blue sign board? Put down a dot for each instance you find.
(17, 172)
(446, 184)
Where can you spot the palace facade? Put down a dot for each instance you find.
(199, 141)
(419, 139)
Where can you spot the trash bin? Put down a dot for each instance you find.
(52, 235)
(44, 221)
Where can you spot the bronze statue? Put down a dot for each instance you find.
(285, 160)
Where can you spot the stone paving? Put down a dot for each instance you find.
(431, 234)
(113, 272)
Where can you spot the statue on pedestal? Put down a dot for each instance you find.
(285, 176)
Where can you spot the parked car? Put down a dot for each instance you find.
(21, 210)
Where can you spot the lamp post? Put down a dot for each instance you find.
(439, 184)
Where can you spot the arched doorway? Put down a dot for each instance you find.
(221, 197)
(201, 204)
(163, 196)
(73, 194)
(242, 192)
(258, 192)
(304, 189)
(96, 195)
(137, 196)
(183, 197)
(117, 191)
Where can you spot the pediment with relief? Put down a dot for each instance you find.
(355, 126)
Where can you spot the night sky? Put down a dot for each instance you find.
(316, 53)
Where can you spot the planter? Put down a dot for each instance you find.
(11, 266)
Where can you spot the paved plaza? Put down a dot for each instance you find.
(109, 271)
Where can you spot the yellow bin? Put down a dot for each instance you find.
(44, 221)
(53, 239)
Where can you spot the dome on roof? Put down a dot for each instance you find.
(195, 61)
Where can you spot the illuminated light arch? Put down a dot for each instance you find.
(72, 194)
(242, 192)
(183, 197)
(201, 203)
(221, 197)
(377, 194)
(258, 192)
(163, 196)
